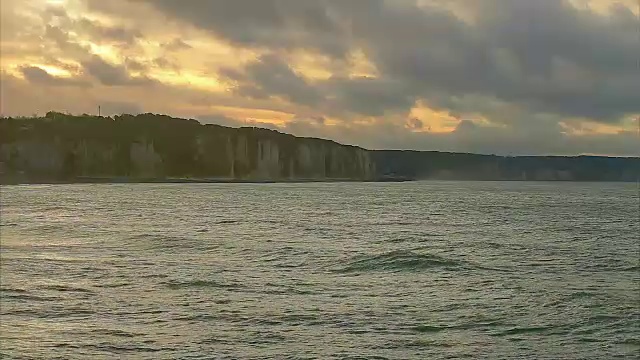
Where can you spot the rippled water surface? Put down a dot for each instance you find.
(421, 270)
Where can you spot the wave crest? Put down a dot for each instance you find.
(398, 260)
(174, 285)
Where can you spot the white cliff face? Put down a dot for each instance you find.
(230, 158)
(268, 160)
(263, 160)
(365, 165)
(39, 157)
(111, 150)
(331, 161)
(146, 162)
(292, 169)
(241, 158)
(93, 159)
(304, 159)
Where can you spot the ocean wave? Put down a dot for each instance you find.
(227, 222)
(27, 297)
(7, 294)
(392, 223)
(113, 332)
(631, 268)
(140, 312)
(423, 237)
(464, 326)
(65, 288)
(114, 285)
(55, 208)
(123, 348)
(15, 290)
(588, 340)
(429, 328)
(284, 252)
(523, 330)
(158, 241)
(52, 312)
(216, 341)
(154, 276)
(363, 357)
(286, 257)
(629, 341)
(399, 260)
(197, 317)
(200, 284)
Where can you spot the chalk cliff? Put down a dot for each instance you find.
(60, 146)
(459, 166)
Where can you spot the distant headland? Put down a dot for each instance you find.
(62, 148)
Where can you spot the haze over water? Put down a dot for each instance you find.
(320, 270)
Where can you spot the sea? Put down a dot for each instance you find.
(412, 270)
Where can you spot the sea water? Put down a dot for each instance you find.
(416, 270)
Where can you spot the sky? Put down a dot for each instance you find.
(508, 77)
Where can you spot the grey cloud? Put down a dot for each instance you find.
(113, 7)
(21, 97)
(473, 139)
(302, 124)
(135, 65)
(543, 55)
(53, 12)
(368, 96)
(572, 62)
(302, 127)
(38, 76)
(109, 108)
(466, 126)
(112, 75)
(106, 73)
(64, 42)
(415, 124)
(219, 119)
(536, 31)
(252, 92)
(320, 120)
(231, 74)
(165, 63)
(283, 24)
(271, 76)
(100, 32)
(176, 45)
(57, 35)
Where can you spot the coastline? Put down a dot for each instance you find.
(61, 148)
(117, 180)
(132, 180)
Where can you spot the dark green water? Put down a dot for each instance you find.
(422, 270)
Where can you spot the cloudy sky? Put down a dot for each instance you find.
(487, 76)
